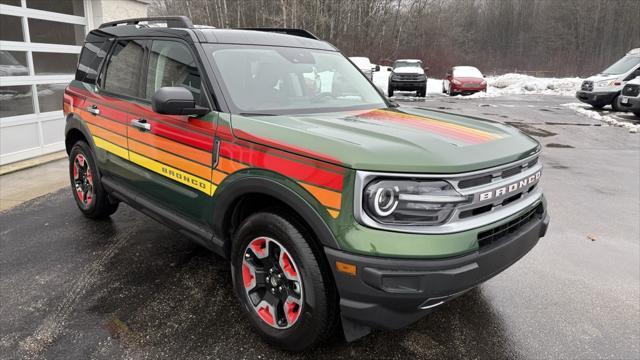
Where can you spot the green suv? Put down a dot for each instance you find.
(267, 146)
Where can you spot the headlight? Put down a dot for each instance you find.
(483, 82)
(411, 202)
(457, 82)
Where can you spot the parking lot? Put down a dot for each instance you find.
(130, 288)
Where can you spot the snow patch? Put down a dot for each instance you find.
(519, 84)
(609, 120)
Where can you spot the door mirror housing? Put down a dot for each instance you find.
(176, 101)
(377, 68)
(389, 69)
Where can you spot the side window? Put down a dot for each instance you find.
(123, 70)
(171, 64)
(90, 59)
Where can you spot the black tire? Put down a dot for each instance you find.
(389, 91)
(636, 113)
(444, 91)
(318, 314)
(597, 107)
(99, 206)
(422, 92)
(615, 104)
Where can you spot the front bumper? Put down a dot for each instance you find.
(632, 104)
(408, 85)
(393, 293)
(596, 98)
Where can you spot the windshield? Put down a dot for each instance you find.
(273, 80)
(399, 64)
(622, 66)
(467, 71)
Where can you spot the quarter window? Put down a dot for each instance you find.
(123, 70)
(171, 64)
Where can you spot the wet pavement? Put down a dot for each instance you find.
(72, 288)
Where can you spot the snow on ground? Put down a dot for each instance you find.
(597, 115)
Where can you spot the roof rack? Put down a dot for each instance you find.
(294, 32)
(171, 21)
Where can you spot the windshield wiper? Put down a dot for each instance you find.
(255, 114)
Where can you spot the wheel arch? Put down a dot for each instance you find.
(74, 131)
(242, 197)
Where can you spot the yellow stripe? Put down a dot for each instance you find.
(334, 214)
(173, 173)
(112, 148)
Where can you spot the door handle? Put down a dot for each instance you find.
(141, 124)
(93, 109)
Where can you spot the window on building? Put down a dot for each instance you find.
(11, 2)
(53, 32)
(123, 70)
(45, 63)
(15, 100)
(13, 63)
(11, 28)
(71, 7)
(50, 97)
(171, 64)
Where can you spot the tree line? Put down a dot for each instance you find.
(548, 37)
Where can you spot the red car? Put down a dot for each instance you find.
(463, 80)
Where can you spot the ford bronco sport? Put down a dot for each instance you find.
(267, 146)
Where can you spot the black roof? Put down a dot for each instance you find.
(181, 27)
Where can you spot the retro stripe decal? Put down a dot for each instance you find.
(180, 152)
(464, 134)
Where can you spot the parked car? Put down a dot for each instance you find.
(629, 99)
(463, 80)
(604, 88)
(333, 206)
(365, 65)
(408, 75)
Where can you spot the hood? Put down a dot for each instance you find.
(393, 140)
(602, 77)
(408, 70)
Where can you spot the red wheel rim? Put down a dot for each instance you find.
(272, 283)
(83, 180)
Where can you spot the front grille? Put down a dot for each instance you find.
(408, 77)
(498, 233)
(587, 85)
(469, 85)
(631, 90)
(484, 179)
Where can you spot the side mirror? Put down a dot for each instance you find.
(377, 68)
(389, 69)
(633, 75)
(176, 101)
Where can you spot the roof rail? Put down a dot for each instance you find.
(171, 21)
(294, 32)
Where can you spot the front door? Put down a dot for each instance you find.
(174, 153)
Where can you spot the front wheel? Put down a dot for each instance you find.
(390, 91)
(285, 288)
(86, 186)
(615, 104)
(636, 113)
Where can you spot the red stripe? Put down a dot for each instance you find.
(287, 147)
(190, 138)
(297, 170)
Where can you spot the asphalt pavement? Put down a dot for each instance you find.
(129, 288)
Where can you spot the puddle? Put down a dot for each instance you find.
(562, 146)
(565, 123)
(531, 130)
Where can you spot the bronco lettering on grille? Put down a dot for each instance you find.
(507, 189)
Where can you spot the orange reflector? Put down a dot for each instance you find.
(348, 269)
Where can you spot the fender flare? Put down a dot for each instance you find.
(75, 123)
(232, 191)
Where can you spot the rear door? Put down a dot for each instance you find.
(174, 153)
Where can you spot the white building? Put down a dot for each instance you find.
(39, 45)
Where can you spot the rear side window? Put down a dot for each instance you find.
(123, 74)
(90, 59)
(171, 64)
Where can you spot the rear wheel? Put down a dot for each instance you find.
(284, 287)
(86, 186)
(390, 91)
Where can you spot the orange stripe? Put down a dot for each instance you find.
(108, 135)
(102, 122)
(229, 166)
(171, 160)
(217, 176)
(326, 197)
(177, 148)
